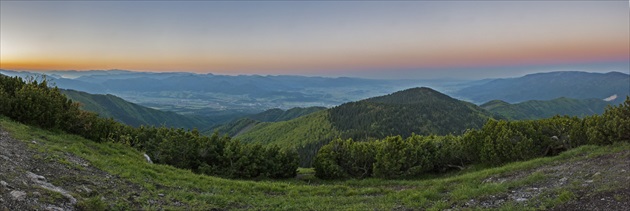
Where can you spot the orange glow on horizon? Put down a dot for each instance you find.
(278, 37)
(449, 57)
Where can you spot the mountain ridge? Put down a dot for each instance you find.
(244, 124)
(420, 103)
(550, 85)
(539, 109)
(133, 114)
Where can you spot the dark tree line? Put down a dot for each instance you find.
(496, 143)
(33, 102)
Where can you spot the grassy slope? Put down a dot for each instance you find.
(539, 109)
(242, 125)
(133, 114)
(233, 128)
(295, 132)
(277, 115)
(307, 193)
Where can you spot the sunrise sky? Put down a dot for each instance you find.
(373, 39)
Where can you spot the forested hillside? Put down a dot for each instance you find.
(244, 124)
(277, 115)
(421, 111)
(134, 114)
(540, 109)
(497, 143)
(35, 103)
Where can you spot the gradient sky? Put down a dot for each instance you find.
(374, 39)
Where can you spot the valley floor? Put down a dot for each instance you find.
(41, 170)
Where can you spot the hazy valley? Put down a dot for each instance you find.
(222, 98)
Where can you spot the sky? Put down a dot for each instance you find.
(370, 39)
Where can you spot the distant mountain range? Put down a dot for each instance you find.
(133, 114)
(548, 86)
(230, 96)
(539, 109)
(254, 85)
(207, 100)
(224, 97)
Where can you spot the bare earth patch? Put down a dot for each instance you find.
(598, 183)
(33, 180)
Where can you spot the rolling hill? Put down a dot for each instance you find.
(539, 109)
(552, 85)
(421, 111)
(244, 124)
(277, 115)
(133, 114)
(417, 110)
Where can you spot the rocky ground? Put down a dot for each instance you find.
(601, 183)
(597, 183)
(34, 180)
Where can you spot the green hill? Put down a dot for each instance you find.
(131, 113)
(242, 125)
(539, 109)
(421, 111)
(309, 128)
(234, 127)
(277, 115)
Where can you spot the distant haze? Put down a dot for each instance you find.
(373, 39)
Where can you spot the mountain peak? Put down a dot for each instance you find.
(419, 89)
(411, 96)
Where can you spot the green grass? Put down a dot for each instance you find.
(200, 192)
(316, 126)
(49, 196)
(565, 196)
(93, 203)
